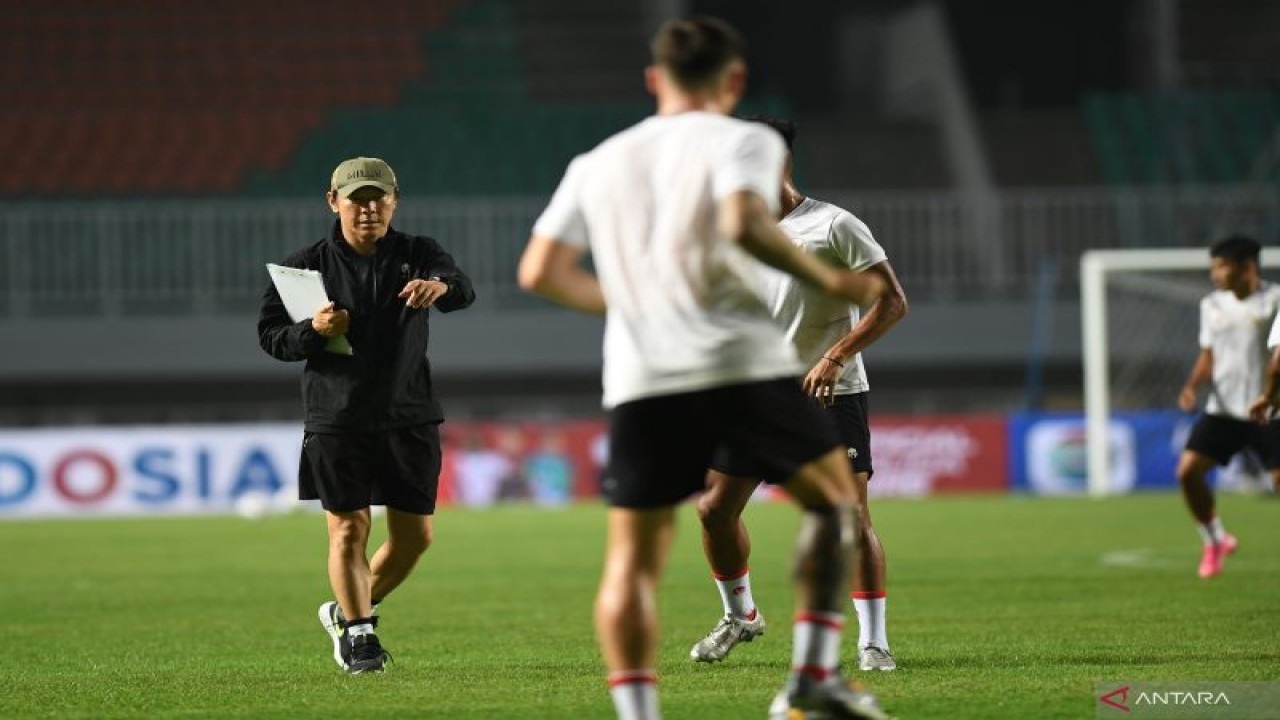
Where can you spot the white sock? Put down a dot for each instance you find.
(815, 647)
(870, 607)
(735, 593)
(355, 631)
(1215, 527)
(1212, 531)
(635, 694)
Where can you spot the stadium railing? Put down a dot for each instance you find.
(203, 257)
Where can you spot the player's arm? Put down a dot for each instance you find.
(886, 310)
(1265, 406)
(1201, 372)
(554, 270)
(744, 218)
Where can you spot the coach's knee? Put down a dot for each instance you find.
(348, 532)
(420, 541)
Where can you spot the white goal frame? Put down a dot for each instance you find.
(1095, 265)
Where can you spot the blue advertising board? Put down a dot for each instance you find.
(1047, 451)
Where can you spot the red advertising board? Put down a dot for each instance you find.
(918, 455)
(552, 462)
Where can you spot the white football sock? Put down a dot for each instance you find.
(735, 593)
(870, 607)
(815, 647)
(635, 694)
(1215, 527)
(1212, 531)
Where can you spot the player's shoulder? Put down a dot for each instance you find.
(832, 212)
(842, 222)
(1213, 297)
(738, 130)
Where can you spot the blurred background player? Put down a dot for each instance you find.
(829, 335)
(693, 360)
(1234, 321)
(371, 419)
(1264, 408)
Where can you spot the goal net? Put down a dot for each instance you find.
(1141, 319)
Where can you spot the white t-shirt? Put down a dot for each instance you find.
(1235, 331)
(684, 309)
(813, 320)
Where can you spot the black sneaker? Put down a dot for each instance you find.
(331, 618)
(367, 655)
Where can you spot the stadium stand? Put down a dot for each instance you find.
(1189, 136)
(157, 98)
(148, 98)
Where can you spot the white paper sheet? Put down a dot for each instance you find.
(303, 293)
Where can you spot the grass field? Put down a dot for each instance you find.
(999, 608)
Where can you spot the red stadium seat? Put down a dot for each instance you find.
(152, 96)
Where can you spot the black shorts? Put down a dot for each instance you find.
(661, 447)
(351, 471)
(847, 417)
(1220, 438)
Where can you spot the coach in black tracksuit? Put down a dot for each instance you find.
(372, 421)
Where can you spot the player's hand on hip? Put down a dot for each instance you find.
(1262, 409)
(420, 293)
(820, 382)
(1187, 400)
(329, 321)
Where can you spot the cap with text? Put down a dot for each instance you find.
(360, 172)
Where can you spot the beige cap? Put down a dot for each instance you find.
(363, 172)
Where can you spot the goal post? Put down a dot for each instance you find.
(1162, 288)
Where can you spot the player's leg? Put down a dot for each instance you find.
(1266, 447)
(660, 449)
(1192, 470)
(727, 546)
(870, 597)
(825, 556)
(626, 615)
(1213, 441)
(849, 416)
(725, 540)
(786, 436)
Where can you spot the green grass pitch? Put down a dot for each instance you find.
(1000, 607)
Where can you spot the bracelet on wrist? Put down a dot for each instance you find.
(831, 359)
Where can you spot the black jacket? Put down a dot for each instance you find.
(386, 383)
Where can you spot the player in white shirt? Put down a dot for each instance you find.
(677, 212)
(1234, 320)
(829, 335)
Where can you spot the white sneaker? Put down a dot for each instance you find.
(874, 658)
(331, 619)
(725, 635)
(803, 698)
